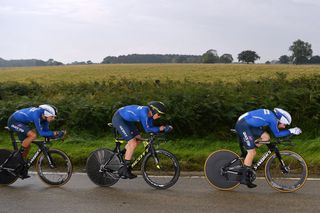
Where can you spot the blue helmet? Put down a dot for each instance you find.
(283, 116)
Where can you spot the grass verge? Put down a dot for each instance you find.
(191, 152)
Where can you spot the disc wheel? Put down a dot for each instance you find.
(215, 167)
(103, 176)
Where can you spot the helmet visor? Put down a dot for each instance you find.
(283, 120)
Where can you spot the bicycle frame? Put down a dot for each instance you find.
(148, 147)
(41, 148)
(272, 148)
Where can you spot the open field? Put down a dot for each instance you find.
(145, 72)
(208, 109)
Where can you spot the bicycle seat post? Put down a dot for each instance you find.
(13, 140)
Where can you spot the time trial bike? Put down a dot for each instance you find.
(285, 171)
(53, 166)
(160, 168)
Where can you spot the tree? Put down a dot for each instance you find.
(315, 60)
(226, 58)
(248, 56)
(301, 52)
(211, 56)
(52, 62)
(284, 59)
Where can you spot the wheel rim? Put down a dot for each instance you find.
(295, 175)
(163, 175)
(58, 175)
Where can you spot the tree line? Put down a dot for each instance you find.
(301, 53)
(28, 63)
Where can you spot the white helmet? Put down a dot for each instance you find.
(49, 110)
(283, 116)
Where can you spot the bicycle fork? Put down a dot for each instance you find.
(284, 168)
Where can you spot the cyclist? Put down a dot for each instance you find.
(124, 121)
(20, 122)
(250, 126)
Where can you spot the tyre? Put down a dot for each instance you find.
(6, 178)
(61, 171)
(164, 174)
(213, 169)
(107, 176)
(296, 172)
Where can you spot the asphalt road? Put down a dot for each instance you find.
(190, 194)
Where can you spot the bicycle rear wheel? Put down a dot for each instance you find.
(58, 174)
(164, 174)
(95, 167)
(213, 169)
(6, 178)
(295, 175)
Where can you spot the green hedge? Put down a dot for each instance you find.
(195, 109)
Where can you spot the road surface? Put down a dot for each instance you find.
(190, 194)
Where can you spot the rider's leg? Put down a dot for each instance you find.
(125, 171)
(25, 146)
(130, 147)
(249, 158)
(245, 133)
(264, 137)
(23, 152)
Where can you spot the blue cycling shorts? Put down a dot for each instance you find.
(21, 128)
(247, 133)
(126, 129)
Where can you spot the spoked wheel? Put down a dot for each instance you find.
(164, 174)
(6, 178)
(292, 177)
(217, 166)
(95, 167)
(59, 172)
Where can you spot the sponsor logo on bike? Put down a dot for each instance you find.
(262, 159)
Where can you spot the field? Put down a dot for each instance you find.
(81, 100)
(146, 72)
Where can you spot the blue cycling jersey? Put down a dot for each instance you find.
(262, 118)
(136, 113)
(34, 115)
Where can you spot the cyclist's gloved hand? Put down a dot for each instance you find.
(60, 134)
(295, 131)
(168, 128)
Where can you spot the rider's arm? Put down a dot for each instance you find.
(147, 123)
(45, 126)
(43, 131)
(276, 132)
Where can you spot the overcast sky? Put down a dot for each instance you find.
(81, 30)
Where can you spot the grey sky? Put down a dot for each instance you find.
(81, 30)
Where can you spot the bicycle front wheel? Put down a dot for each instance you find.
(54, 169)
(163, 174)
(6, 178)
(290, 178)
(98, 172)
